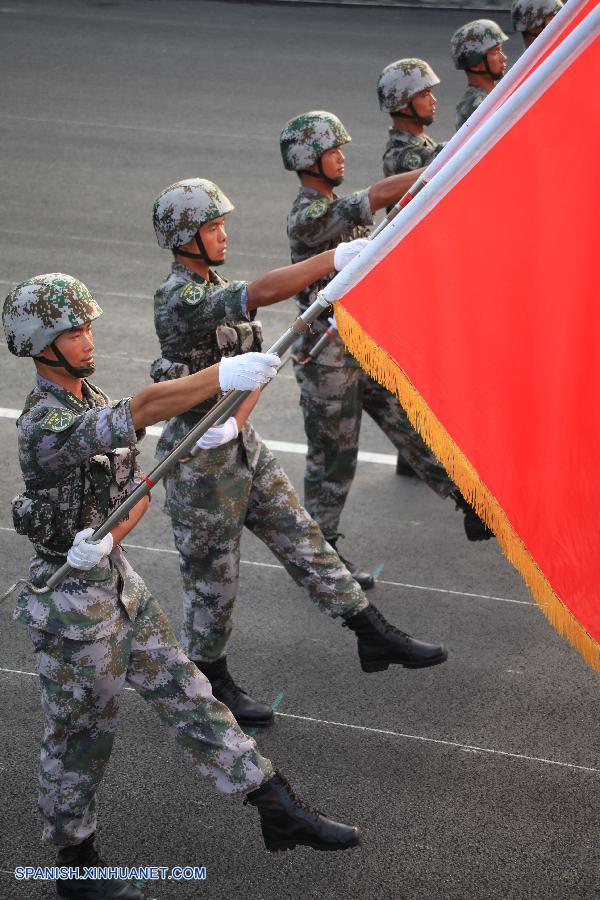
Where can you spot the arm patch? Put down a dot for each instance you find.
(58, 420)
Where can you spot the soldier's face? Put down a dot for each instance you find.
(424, 105)
(214, 238)
(497, 58)
(76, 345)
(334, 163)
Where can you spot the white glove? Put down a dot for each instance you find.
(84, 554)
(332, 323)
(219, 434)
(346, 251)
(248, 371)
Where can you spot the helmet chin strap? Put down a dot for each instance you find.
(495, 76)
(414, 116)
(334, 182)
(201, 255)
(61, 362)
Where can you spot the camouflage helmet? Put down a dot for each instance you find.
(401, 80)
(183, 207)
(528, 15)
(41, 308)
(471, 42)
(309, 135)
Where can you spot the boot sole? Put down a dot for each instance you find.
(276, 846)
(254, 723)
(381, 665)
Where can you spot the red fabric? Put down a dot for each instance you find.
(490, 306)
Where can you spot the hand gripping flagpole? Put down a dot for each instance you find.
(185, 448)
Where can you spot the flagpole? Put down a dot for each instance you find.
(187, 446)
(492, 102)
(471, 151)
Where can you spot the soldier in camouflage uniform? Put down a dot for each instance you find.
(235, 481)
(101, 627)
(530, 17)
(334, 390)
(477, 49)
(405, 91)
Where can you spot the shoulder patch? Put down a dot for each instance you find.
(316, 209)
(477, 102)
(58, 420)
(193, 293)
(410, 159)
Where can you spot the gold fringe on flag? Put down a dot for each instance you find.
(378, 363)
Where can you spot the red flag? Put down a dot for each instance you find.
(478, 306)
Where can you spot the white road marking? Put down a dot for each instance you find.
(471, 748)
(382, 459)
(264, 565)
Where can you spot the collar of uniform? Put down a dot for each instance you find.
(180, 269)
(311, 192)
(66, 397)
(407, 137)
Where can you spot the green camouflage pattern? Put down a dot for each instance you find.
(305, 137)
(317, 223)
(530, 15)
(183, 207)
(401, 80)
(197, 323)
(102, 628)
(471, 42)
(332, 401)
(333, 388)
(214, 495)
(74, 477)
(405, 152)
(470, 100)
(82, 684)
(210, 499)
(37, 310)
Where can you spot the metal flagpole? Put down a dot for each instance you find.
(492, 102)
(185, 448)
(467, 156)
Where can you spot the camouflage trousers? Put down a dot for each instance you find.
(210, 500)
(332, 401)
(82, 684)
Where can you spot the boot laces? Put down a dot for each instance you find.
(307, 807)
(388, 625)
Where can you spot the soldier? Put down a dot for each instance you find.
(235, 481)
(530, 17)
(333, 388)
(477, 47)
(101, 627)
(405, 91)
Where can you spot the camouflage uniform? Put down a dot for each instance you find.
(214, 495)
(101, 628)
(468, 46)
(334, 389)
(405, 152)
(470, 100)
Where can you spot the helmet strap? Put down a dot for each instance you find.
(320, 174)
(201, 255)
(61, 362)
(495, 76)
(413, 115)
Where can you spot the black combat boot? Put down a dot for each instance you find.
(403, 468)
(475, 528)
(246, 710)
(365, 579)
(286, 820)
(86, 854)
(380, 644)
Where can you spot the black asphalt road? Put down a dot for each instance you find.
(477, 779)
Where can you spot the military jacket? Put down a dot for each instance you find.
(405, 152)
(197, 323)
(471, 99)
(78, 459)
(316, 224)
